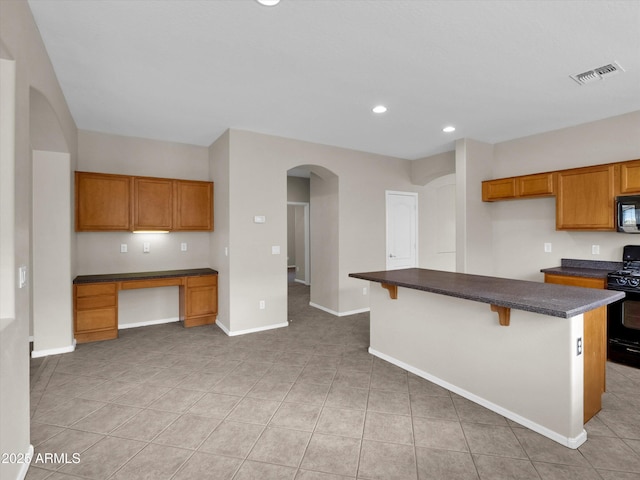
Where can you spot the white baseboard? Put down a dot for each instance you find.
(338, 314)
(250, 330)
(54, 351)
(571, 442)
(22, 473)
(160, 321)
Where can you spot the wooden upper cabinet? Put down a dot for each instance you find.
(153, 203)
(538, 185)
(193, 205)
(500, 189)
(102, 202)
(630, 177)
(106, 202)
(585, 198)
(526, 186)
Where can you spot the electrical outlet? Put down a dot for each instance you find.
(123, 248)
(547, 248)
(595, 249)
(364, 290)
(146, 247)
(579, 347)
(183, 247)
(262, 305)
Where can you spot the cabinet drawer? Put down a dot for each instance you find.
(96, 301)
(90, 289)
(586, 282)
(89, 320)
(204, 281)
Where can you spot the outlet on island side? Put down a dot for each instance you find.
(579, 347)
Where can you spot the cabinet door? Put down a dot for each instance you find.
(199, 301)
(585, 198)
(538, 185)
(103, 202)
(630, 177)
(193, 205)
(500, 189)
(153, 203)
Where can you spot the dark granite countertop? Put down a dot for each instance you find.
(544, 298)
(121, 277)
(584, 268)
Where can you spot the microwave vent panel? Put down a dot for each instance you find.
(597, 73)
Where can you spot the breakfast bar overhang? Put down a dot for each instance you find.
(532, 352)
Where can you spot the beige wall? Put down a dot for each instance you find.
(324, 244)
(473, 220)
(219, 240)
(520, 228)
(51, 253)
(21, 42)
(258, 167)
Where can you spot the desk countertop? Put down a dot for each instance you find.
(544, 298)
(121, 277)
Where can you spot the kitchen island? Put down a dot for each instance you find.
(513, 346)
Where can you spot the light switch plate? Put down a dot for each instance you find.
(146, 247)
(259, 219)
(183, 247)
(275, 250)
(22, 276)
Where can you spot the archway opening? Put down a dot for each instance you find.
(313, 235)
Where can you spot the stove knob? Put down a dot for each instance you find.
(633, 282)
(621, 281)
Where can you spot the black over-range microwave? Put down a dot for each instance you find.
(628, 213)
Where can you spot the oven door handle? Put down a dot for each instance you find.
(632, 350)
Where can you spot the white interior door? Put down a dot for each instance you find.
(402, 230)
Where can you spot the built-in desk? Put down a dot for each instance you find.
(95, 299)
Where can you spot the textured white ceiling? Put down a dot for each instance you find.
(185, 71)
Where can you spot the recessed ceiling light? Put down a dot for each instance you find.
(379, 109)
(449, 129)
(268, 3)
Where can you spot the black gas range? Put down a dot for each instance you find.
(623, 317)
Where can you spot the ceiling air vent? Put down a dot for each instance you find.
(597, 73)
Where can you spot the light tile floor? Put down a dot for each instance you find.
(305, 402)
